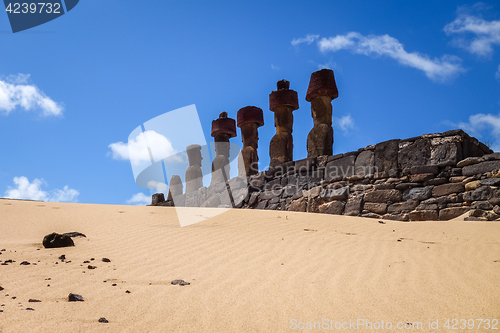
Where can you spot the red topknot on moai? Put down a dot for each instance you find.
(322, 90)
(282, 102)
(223, 129)
(249, 119)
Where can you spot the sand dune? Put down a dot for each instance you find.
(249, 270)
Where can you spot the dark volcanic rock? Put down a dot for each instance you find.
(31, 300)
(415, 154)
(480, 194)
(353, 206)
(25, 263)
(74, 234)
(75, 298)
(55, 240)
(450, 213)
(364, 165)
(446, 189)
(343, 167)
(335, 194)
(383, 196)
(480, 168)
(448, 154)
(402, 207)
(157, 198)
(424, 215)
(180, 283)
(334, 207)
(106, 260)
(484, 205)
(491, 182)
(103, 320)
(377, 208)
(299, 205)
(386, 156)
(419, 193)
(424, 169)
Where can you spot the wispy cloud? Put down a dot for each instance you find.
(329, 64)
(345, 123)
(441, 69)
(158, 186)
(481, 125)
(24, 189)
(139, 199)
(136, 150)
(485, 34)
(497, 74)
(15, 92)
(308, 39)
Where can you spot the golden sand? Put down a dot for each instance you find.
(249, 271)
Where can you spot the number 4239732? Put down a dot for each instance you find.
(32, 8)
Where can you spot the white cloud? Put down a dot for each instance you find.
(486, 33)
(139, 199)
(66, 194)
(33, 191)
(338, 42)
(435, 69)
(345, 123)
(497, 74)
(308, 39)
(136, 150)
(15, 92)
(154, 185)
(480, 124)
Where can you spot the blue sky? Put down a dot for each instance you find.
(73, 90)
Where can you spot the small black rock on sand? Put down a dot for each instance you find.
(75, 298)
(55, 240)
(180, 283)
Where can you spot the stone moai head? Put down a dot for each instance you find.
(249, 119)
(282, 102)
(194, 175)
(194, 155)
(223, 129)
(175, 187)
(321, 91)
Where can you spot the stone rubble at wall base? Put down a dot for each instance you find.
(431, 177)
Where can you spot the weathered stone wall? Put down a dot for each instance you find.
(430, 177)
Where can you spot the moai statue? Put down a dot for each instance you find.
(321, 91)
(223, 129)
(194, 176)
(249, 119)
(174, 190)
(282, 102)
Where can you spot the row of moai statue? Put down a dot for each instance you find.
(320, 93)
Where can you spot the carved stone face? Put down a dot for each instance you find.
(283, 119)
(222, 148)
(250, 135)
(321, 110)
(194, 155)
